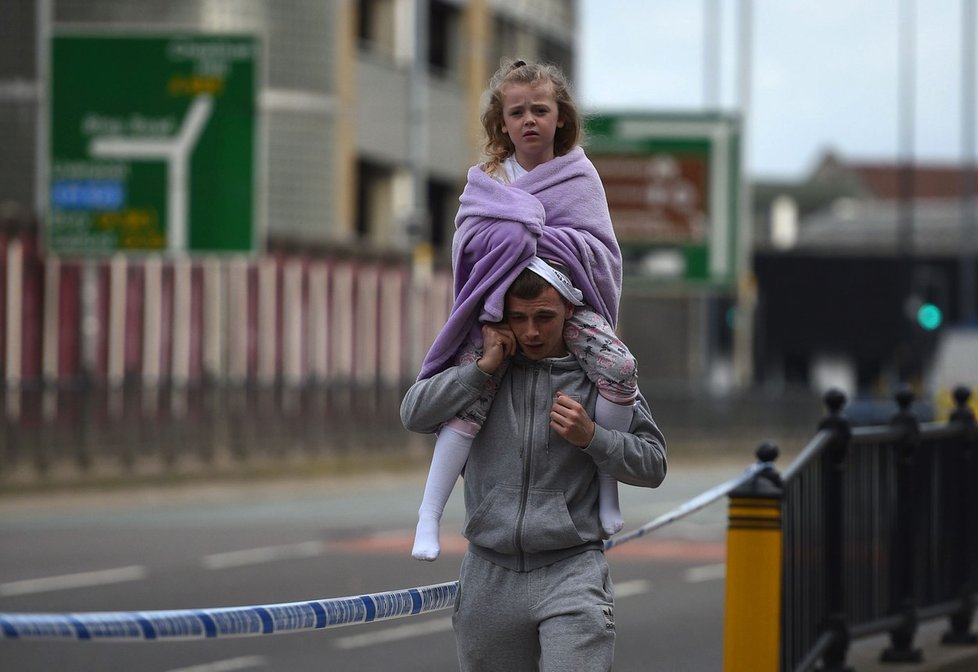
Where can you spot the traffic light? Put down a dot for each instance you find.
(928, 298)
(929, 316)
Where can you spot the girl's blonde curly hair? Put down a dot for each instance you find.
(497, 145)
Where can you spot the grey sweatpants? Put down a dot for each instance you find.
(556, 618)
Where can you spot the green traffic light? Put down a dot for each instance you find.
(730, 317)
(929, 316)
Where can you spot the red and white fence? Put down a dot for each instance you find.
(281, 318)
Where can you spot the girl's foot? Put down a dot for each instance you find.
(426, 546)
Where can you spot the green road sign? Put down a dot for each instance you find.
(152, 143)
(673, 188)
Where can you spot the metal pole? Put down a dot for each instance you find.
(905, 181)
(962, 499)
(752, 601)
(834, 511)
(418, 127)
(43, 21)
(711, 54)
(969, 217)
(417, 227)
(746, 287)
(906, 100)
(909, 479)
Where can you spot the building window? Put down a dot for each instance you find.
(442, 204)
(373, 200)
(505, 43)
(444, 38)
(375, 25)
(558, 54)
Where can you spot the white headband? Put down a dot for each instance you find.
(557, 280)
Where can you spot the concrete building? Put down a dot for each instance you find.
(369, 115)
(367, 121)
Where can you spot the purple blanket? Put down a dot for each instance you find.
(556, 211)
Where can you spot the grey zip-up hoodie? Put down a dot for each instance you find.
(531, 498)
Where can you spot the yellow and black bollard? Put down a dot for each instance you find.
(752, 618)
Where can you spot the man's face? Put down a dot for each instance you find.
(538, 324)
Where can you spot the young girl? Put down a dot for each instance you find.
(537, 194)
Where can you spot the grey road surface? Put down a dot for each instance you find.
(184, 547)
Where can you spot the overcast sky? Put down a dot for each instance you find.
(825, 73)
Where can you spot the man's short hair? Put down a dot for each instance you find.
(529, 285)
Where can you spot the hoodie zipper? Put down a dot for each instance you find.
(529, 403)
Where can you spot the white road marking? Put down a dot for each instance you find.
(66, 581)
(227, 665)
(256, 556)
(706, 573)
(632, 588)
(394, 634)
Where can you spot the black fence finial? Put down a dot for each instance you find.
(835, 400)
(904, 397)
(962, 411)
(768, 451)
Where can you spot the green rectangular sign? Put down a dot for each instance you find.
(673, 188)
(152, 143)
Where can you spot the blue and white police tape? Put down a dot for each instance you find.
(692, 506)
(273, 619)
(230, 622)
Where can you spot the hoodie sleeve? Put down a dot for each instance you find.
(636, 457)
(432, 401)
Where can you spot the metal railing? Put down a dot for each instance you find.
(876, 531)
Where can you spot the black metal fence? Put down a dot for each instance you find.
(73, 433)
(880, 534)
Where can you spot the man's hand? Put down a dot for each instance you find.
(498, 345)
(569, 419)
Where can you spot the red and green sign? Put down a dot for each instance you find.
(673, 188)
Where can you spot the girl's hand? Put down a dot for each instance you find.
(498, 345)
(571, 421)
